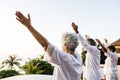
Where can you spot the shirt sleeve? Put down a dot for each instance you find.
(55, 55)
(83, 42)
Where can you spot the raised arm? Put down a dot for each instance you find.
(27, 22)
(104, 48)
(81, 38)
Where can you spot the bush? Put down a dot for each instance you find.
(38, 66)
(8, 73)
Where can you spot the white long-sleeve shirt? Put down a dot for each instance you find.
(92, 60)
(67, 66)
(110, 67)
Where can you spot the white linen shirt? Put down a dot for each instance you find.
(67, 66)
(110, 67)
(92, 60)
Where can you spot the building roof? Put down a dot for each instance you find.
(117, 45)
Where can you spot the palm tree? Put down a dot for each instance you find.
(11, 62)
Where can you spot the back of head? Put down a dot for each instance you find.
(70, 40)
(112, 48)
(91, 42)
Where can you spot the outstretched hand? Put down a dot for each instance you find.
(24, 20)
(75, 27)
(97, 40)
(104, 48)
(87, 37)
(106, 41)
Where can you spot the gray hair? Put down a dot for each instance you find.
(70, 40)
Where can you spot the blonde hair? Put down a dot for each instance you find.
(70, 40)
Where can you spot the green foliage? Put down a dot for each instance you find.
(47, 67)
(38, 66)
(8, 73)
(84, 52)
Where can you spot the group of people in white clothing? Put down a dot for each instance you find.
(68, 61)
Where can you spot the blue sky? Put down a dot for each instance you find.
(97, 18)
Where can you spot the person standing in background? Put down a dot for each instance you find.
(110, 67)
(92, 56)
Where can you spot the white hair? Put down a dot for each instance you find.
(70, 40)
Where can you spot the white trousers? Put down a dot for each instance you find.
(112, 77)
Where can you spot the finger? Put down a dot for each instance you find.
(97, 40)
(76, 26)
(19, 20)
(73, 24)
(16, 12)
(29, 16)
(19, 15)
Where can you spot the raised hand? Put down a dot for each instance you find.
(27, 22)
(104, 48)
(24, 20)
(75, 27)
(106, 41)
(87, 37)
(97, 40)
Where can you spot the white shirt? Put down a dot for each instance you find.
(92, 60)
(67, 66)
(110, 66)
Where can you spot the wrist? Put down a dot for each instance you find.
(29, 27)
(77, 31)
